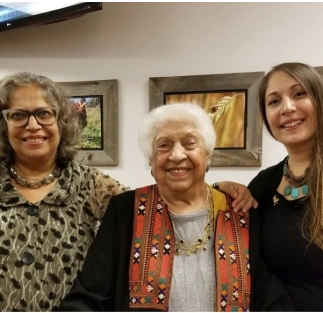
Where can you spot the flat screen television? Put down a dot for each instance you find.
(20, 14)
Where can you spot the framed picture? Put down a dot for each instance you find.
(96, 103)
(231, 103)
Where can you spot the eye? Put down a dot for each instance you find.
(164, 146)
(300, 93)
(190, 143)
(45, 113)
(17, 115)
(273, 102)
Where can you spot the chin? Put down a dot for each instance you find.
(179, 186)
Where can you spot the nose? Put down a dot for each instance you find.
(32, 123)
(288, 106)
(178, 153)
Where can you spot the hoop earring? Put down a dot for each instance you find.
(207, 168)
(151, 173)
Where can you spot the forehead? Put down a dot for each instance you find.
(173, 130)
(280, 81)
(27, 97)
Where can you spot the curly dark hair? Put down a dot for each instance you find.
(56, 97)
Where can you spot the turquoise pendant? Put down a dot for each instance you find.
(294, 194)
(287, 190)
(305, 189)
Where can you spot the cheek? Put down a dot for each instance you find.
(158, 162)
(271, 117)
(12, 133)
(54, 131)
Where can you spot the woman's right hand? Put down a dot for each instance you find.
(243, 200)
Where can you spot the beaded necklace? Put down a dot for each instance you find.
(295, 182)
(181, 247)
(34, 183)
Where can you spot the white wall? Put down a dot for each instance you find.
(134, 41)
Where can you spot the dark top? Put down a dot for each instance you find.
(296, 262)
(104, 282)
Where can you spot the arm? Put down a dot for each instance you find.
(103, 187)
(103, 283)
(243, 199)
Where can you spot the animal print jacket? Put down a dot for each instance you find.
(43, 244)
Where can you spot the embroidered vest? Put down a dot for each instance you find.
(153, 246)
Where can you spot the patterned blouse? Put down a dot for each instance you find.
(43, 244)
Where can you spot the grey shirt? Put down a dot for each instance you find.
(193, 280)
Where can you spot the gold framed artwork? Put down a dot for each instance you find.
(231, 103)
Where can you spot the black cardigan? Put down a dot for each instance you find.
(103, 284)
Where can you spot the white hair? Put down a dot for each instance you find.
(177, 112)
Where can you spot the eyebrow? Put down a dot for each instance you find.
(170, 136)
(291, 87)
(31, 111)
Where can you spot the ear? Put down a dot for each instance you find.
(208, 156)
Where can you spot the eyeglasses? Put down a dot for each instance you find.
(20, 118)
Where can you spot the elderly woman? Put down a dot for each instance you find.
(49, 204)
(175, 245)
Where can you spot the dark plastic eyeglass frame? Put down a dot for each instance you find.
(30, 113)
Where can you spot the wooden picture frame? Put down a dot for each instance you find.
(250, 155)
(107, 91)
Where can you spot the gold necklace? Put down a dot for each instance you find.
(181, 247)
(34, 183)
(204, 204)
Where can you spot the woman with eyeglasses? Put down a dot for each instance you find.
(49, 204)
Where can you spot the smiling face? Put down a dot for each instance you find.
(179, 157)
(289, 111)
(33, 141)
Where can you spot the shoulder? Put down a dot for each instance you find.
(272, 170)
(266, 179)
(129, 197)
(121, 207)
(3, 171)
(100, 180)
(220, 199)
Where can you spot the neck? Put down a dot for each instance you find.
(33, 170)
(185, 202)
(298, 163)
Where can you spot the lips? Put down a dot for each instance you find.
(291, 124)
(178, 170)
(34, 139)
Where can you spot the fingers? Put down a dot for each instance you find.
(244, 201)
(244, 204)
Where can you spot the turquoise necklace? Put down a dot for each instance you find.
(295, 182)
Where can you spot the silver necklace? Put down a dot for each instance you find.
(34, 183)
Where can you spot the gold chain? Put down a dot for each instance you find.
(181, 247)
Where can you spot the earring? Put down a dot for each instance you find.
(207, 168)
(151, 173)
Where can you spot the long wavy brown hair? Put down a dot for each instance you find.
(309, 78)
